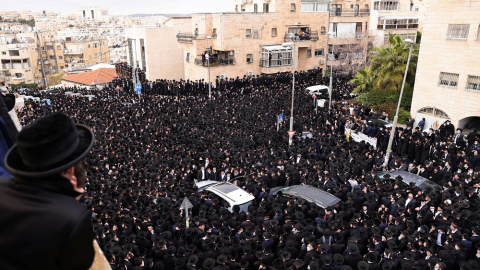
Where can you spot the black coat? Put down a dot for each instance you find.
(43, 225)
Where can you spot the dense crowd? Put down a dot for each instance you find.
(151, 151)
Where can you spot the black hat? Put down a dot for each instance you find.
(338, 258)
(49, 146)
(193, 259)
(387, 265)
(353, 249)
(209, 263)
(9, 100)
(222, 259)
(362, 265)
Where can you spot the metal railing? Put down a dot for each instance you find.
(189, 37)
(215, 62)
(350, 13)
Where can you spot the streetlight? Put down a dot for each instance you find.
(292, 45)
(395, 119)
(208, 67)
(331, 72)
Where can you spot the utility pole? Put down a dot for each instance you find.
(40, 56)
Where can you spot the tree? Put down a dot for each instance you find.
(364, 80)
(380, 82)
(389, 62)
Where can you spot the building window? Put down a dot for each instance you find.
(434, 111)
(243, 8)
(336, 10)
(274, 32)
(60, 57)
(95, 45)
(188, 58)
(309, 53)
(255, 33)
(276, 56)
(51, 57)
(62, 67)
(255, 8)
(4, 53)
(322, 30)
(318, 52)
(214, 32)
(366, 6)
(59, 47)
(448, 79)
(458, 31)
(249, 58)
(265, 7)
(248, 33)
(473, 83)
(49, 47)
(314, 6)
(293, 8)
(385, 5)
(397, 24)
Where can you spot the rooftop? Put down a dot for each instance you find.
(99, 76)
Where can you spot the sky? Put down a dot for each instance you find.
(124, 7)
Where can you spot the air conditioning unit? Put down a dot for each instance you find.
(231, 53)
(322, 61)
(359, 36)
(250, 73)
(222, 76)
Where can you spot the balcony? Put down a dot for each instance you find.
(215, 62)
(350, 13)
(313, 36)
(189, 37)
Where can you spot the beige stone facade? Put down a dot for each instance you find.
(16, 66)
(250, 41)
(447, 83)
(155, 49)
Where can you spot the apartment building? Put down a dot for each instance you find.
(447, 82)
(85, 52)
(17, 66)
(155, 49)
(93, 13)
(251, 40)
(398, 17)
(348, 35)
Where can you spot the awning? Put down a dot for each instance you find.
(276, 48)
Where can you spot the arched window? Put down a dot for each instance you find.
(434, 111)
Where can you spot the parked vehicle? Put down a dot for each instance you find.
(228, 192)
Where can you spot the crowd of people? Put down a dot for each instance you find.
(152, 149)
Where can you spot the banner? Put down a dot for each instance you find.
(358, 137)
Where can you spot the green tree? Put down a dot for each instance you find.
(364, 80)
(389, 62)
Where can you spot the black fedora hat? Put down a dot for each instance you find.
(49, 146)
(9, 100)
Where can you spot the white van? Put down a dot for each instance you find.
(231, 193)
(320, 90)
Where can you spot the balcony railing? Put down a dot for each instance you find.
(313, 36)
(189, 37)
(215, 62)
(350, 13)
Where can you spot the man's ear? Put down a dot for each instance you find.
(69, 173)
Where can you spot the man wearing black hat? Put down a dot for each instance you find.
(43, 225)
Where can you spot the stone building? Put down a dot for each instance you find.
(447, 82)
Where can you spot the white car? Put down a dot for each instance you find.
(230, 193)
(318, 90)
